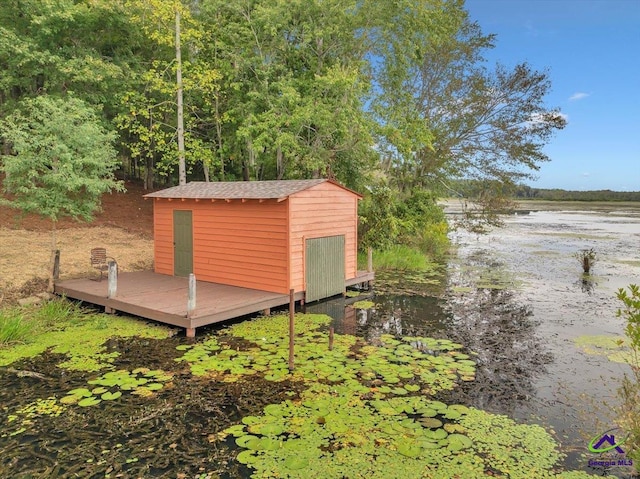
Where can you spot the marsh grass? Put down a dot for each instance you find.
(22, 325)
(398, 257)
(65, 327)
(14, 329)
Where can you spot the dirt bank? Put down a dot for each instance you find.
(124, 227)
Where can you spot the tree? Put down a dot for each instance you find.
(166, 114)
(293, 72)
(60, 46)
(485, 124)
(62, 161)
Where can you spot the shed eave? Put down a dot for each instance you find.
(278, 190)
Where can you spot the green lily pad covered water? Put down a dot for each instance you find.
(363, 304)
(367, 410)
(420, 363)
(612, 347)
(81, 337)
(358, 410)
(334, 433)
(111, 385)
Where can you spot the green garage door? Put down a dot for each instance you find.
(182, 243)
(324, 268)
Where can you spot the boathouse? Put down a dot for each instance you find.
(251, 246)
(265, 235)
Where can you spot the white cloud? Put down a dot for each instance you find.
(578, 96)
(586, 174)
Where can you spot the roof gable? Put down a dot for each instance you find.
(235, 190)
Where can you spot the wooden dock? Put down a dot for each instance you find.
(164, 298)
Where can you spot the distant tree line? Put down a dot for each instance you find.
(490, 190)
(556, 194)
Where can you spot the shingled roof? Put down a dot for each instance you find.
(235, 190)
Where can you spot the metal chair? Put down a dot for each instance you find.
(99, 261)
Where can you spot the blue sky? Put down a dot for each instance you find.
(591, 49)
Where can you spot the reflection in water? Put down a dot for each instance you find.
(488, 322)
(587, 283)
(510, 354)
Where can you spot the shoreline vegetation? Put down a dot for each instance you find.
(536, 194)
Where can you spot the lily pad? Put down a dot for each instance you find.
(295, 463)
(81, 392)
(246, 457)
(70, 399)
(363, 304)
(109, 396)
(243, 440)
(457, 442)
(409, 449)
(90, 401)
(431, 422)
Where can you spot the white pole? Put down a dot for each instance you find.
(191, 300)
(112, 280)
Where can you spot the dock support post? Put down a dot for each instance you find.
(369, 264)
(190, 332)
(191, 300)
(266, 311)
(331, 338)
(56, 265)
(292, 314)
(112, 284)
(112, 280)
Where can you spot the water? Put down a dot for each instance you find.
(517, 297)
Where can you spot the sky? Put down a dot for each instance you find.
(591, 51)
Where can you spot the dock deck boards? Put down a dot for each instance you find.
(163, 298)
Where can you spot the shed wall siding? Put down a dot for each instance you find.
(235, 243)
(163, 236)
(323, 210)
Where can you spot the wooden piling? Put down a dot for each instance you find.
(112, 280)
(292, 314)
(369, 266)
(112, 284)
(330, 338)
(56, 265)
(191, 296)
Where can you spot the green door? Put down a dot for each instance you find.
(324, 267)
(182, 243)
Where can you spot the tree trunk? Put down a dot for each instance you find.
(52, 261)
(149, 174)
(205, 168)
(219, 136)
(280, 163)
(248, 165)
(182, 169)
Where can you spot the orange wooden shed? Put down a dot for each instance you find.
(266, 235)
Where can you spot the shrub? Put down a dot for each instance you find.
(629, 392)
